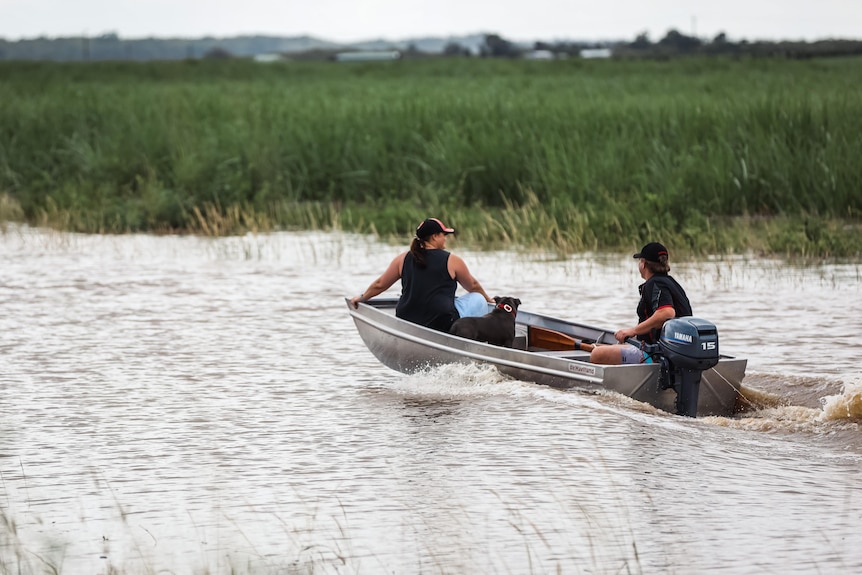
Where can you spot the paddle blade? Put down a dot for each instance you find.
(554, 340)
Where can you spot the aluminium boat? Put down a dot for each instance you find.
(688, 376)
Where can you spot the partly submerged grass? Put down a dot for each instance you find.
(707, 153)
(528, 226)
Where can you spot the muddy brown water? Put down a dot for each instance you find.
(206, 406)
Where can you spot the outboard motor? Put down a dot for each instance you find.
(688, 346)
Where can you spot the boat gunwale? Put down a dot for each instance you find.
(383, 304)
(489, 358)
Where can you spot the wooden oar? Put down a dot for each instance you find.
(584, 346)
(554, 340)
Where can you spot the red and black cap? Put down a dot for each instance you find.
(432, 226)
(651, 252)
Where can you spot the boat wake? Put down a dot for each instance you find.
(844, 407)
(766, 412)
(838, 415)
(461, 380)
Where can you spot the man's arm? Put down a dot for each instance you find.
(655, 321)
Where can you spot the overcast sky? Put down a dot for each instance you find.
(350, 20)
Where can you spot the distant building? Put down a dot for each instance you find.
(596, 53)
(269, 58)
(539, 55)
(378, 56)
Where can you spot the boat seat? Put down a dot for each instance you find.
(566, 354)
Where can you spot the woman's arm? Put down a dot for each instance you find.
(391, 275)
(458, 270)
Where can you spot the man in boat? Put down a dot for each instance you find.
(662, 298)
(429, 277)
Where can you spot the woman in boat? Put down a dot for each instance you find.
(429, 277)
(662, 298)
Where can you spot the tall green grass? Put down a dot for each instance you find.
(611, 152)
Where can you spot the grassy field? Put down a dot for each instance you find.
(710, 155)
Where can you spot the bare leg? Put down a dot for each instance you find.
(607, 354)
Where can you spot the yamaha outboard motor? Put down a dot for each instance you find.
(688, 346)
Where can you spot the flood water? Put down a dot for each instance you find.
(193, 405)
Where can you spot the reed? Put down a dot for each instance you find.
(572, 153)
(10, 209)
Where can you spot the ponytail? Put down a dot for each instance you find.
(417, 250)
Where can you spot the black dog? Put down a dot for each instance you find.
(497, 327)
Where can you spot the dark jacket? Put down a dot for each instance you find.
(660, 291)
(428, 294)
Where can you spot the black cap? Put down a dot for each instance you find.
(651, 252)
(432, 226)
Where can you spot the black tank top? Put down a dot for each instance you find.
(428, 294)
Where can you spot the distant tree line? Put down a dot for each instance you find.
(674, 43)
(112, 47)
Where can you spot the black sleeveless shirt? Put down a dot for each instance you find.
(428, 294)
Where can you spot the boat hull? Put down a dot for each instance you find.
(408, 348)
